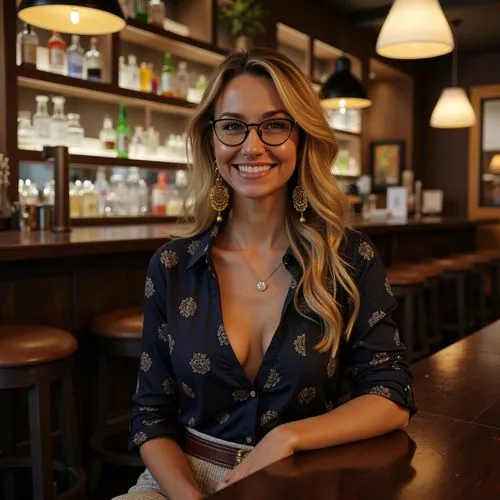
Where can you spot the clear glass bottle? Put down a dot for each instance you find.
(75, 199)
(134, 74)
(133, 200)
(27, 44)
(182, 80)
(107, 135)
(57, 53)
(167, 76)
(76, 133)
(75, 58)
(89, 200)
(123, 73)
(156, 12)
(101, 187)
(93, 62)
(41, 121)
(49, 192)
(143, 196)
(117, 197)
(159, 195)
(25, 132)
(122, 133)
(59, 123)
(137, 143)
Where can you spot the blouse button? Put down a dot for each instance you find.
(248, 440)
(253, 394)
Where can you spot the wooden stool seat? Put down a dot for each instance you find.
(452, 264)
(474, 258)
(404, 277)
(119, 324)
(39, 359)
(22, 345)
(492, 253)
(428, 269)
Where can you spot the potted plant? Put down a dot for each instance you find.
(244, 19)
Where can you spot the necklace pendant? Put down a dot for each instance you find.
(261, 286)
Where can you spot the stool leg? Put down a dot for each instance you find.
(100, 419)
(41, 440)
(7, 443)
(69, 428)
(461, 306)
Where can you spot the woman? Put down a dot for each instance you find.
(250, 316)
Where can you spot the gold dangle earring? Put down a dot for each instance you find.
(219, 196)
(300, 202)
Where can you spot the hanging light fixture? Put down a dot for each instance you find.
(495, 163)
(97, 17)
(415, 29)
(342, 89)
(453, 109)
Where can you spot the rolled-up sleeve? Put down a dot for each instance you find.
(154, 408)
(376, 357)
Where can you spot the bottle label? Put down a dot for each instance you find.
(166, 82)
(122, 143)
(94, 74)
(29, 53)
(56, 57)
(75, 64)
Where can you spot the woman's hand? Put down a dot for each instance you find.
(276, 445)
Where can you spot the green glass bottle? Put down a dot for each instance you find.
(141, 10)
(122, 133)
(167, 76)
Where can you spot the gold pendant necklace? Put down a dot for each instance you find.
(262, 285)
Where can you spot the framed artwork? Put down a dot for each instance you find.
(386, 163)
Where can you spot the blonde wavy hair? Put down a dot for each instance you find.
(315, 243)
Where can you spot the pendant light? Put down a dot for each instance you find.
(342, 89)
(453, 109)
(415, 29)
(97, 17)
(495, 163)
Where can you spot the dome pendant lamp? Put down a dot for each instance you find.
(343, 89)
(415, 29)
(453, 109)
(97, 17)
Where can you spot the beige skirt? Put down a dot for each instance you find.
(206, 474)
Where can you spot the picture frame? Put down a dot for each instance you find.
(387, 160)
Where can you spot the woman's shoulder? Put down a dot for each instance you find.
(354, 243)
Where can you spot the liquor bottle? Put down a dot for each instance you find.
(27, 44)
(41, 121)
(93, 63)
(59, 123)
(156, 12)
(101, 187)
(123, 73)
(167, 76)
(134, 74)
(159, 195)
(141, 10)
(107, 135)
(182, 81)
(122, 133)
(57, 52)
(75, 58)
(145, 73)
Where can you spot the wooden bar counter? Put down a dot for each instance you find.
(450, 450)
(64, 280)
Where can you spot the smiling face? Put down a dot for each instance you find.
(254, 169)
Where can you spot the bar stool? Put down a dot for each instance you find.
(494, 265)
(39, 358)
(479, 273)
(432, 274)
(407, 287)
(456, 273)
(119, 335)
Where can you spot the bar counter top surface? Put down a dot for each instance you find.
(21, 245)
(449, 451)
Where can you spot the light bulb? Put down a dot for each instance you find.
(342, 103)
(74, 16)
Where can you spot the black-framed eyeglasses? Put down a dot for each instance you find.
(273, 132)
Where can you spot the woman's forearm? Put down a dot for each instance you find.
(169, 466)
(361, 418)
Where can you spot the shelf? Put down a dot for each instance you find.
(126, 220)
(25, 155)
(153, 37)
(52, 84)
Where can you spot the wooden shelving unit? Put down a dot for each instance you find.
(44, 81)
(146, 35)
(26, 156)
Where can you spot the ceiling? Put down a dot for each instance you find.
(478, 32)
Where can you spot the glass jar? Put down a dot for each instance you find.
(75, 131)
(156, 12)
(107, 135)
(25, 132)
(41, 121)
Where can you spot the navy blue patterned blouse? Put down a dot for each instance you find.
(190, 376)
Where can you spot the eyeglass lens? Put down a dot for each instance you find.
(272, 132)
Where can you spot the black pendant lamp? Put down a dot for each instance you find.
(343, 89)
(97, 17)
